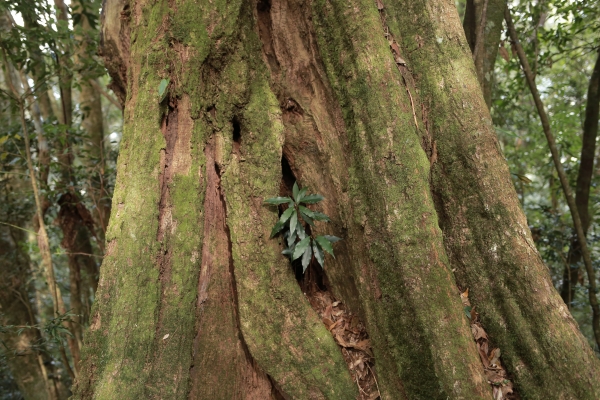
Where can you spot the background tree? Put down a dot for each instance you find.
(34, 40)
(561, 42)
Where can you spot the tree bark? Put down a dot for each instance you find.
(322, 87)
(483, 25)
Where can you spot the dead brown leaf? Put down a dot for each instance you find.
(494, 357)
(478, 332)
(464, 297)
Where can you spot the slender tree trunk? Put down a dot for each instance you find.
(22, 352)
(483, 25)
(327, 93)
(92, 123)
(573, 209)
(584, 181)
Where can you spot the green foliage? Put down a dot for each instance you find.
(294, 223)
(560, 39)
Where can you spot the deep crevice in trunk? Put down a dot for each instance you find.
(347, 329)
(217, 300)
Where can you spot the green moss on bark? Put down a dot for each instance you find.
(485, 231)
(141, 340)
(417, 324)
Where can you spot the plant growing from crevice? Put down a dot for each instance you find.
(295, 223)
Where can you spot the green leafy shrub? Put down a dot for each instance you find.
(292, 223)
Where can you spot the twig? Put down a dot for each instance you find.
(105, 93)
(375, 378)
(561, 175)
(18, 227)
(412, 103)
(80, 254)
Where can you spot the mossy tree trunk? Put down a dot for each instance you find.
(375, 105)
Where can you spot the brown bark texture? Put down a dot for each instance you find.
(483, 25)
(377, 107)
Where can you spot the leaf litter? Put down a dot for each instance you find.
(350, 333)
(495, 373)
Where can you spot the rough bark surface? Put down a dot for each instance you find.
(191, 277)
(485, 231)
(483, 25)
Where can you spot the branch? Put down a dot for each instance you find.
(105, 93)
(561, 175)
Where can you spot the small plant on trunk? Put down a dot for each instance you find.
(293, 223)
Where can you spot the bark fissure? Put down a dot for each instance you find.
(217, 290)
(317, 132)
(485, 231)
(494, 374)
(347, 329)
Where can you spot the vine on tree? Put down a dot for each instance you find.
(292, 223)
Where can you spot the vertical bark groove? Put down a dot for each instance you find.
(220, 354)
(485, 231)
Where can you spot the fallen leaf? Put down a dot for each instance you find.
(335, 324)
(494, 377)
(473, 315)
(482, 347)
(166, 337)
(380, 5)
(478, 332)
(497, 393)
(464, 297)
(340, 340)
(327, 312)
(495, 357)
(507, 388)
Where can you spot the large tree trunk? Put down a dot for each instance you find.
(357, 100)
